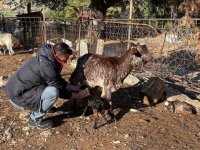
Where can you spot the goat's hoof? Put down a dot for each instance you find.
(84, 114)
(110, 121)
(95, 126)
(113, 119)
(116, 125)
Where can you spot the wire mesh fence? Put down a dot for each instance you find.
(26, 29)
(174, 43)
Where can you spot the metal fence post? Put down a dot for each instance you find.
(129, 26)
(44, 28)
(79, 36)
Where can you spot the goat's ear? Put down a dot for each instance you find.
(142, 48)
(135, 51)
(139, 47)
(138, 54)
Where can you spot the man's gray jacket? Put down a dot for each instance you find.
(27, 84)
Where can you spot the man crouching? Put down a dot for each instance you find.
(38, 84)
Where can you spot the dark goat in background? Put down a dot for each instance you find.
(108, 72)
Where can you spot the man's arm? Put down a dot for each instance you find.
(51, 75)
(80, 95)
(73, 88)
(53, 78)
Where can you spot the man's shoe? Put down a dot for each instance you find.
(40, 123)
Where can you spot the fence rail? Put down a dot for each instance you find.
(175, 43)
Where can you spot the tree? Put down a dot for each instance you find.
(144, 8)
(57, 5)
(157, 8)
(191, 7)
(101, 6)
(60, 9)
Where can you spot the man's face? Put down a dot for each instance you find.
(64, 57)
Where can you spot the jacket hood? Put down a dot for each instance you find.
(45, 51)
(49, 53)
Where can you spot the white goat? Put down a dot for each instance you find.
(6, 41)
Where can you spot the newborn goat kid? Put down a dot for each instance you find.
(108, 72)
(97, 104)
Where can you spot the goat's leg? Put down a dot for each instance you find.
(85, 107)
(4, 51)
(10, 51)
(84, 111)
(111, 113)
(96, 118)
(74, 106)
(106, 95)
(141, 67)
(104, 116)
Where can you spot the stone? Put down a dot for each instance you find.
(185, 98)
(116, 142)
(3, 81)
(8, 133)
(34, 54)
(131, 80)
(23, 114)
(180, 107)
(25, 128)
(2, 117)
(126, 136)
(46, 134)
(133, 110)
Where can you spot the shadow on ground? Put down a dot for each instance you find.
(124, 99)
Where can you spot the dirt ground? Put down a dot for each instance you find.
(148, 128)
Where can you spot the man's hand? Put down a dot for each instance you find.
(84, 93)
(73, 88)
(80, 95)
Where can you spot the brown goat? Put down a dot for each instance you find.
(108, 72)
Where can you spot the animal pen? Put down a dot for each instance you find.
(174, 43)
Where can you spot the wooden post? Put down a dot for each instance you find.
(83, 45)
(100, 46)
(29, 7)
(44, 28)
(129, 27)
(79, 32)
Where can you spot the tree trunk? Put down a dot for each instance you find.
(29, 7)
